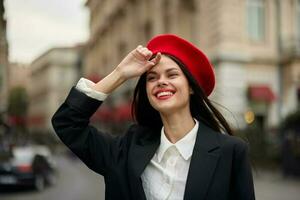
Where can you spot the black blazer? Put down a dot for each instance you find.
(219, 168)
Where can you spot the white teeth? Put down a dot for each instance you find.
(164, 94)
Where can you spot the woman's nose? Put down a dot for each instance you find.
(162, 82)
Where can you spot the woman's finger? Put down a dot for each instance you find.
(151, 63)
(156, 59)
(146, 53)
(138, 54)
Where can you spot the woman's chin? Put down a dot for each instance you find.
(165, 109)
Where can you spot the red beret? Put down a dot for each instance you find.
(193, 58)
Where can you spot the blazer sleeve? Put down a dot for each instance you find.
(71, 124)
(242, 187)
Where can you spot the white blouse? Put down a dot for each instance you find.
(165, 176)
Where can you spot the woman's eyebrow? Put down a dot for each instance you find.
(171, 69)
(167, 70)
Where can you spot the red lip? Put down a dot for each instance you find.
(163, 90)
(165, 96)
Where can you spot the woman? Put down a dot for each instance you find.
(180, 148)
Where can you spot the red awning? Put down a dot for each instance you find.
(94, 77)
(261, 93)
(36, 120)
(119, 113)
(123, 112)
(103, 114)
(17, 120)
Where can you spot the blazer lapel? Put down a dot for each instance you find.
(203, 163)
(141, 152)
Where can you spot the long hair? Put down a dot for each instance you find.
(200, 106)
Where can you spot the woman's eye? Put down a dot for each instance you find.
(173, 75)
(150, 78)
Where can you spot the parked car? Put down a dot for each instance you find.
(28, 166)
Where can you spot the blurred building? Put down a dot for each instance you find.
(289, 50)
(3, 58)
(18, 75)
(18, 80)
(52, 76)
(254, 46)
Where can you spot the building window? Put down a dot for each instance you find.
(167, 16)
(148, 30)
(122, 50)
(187, 23)
(256, 19)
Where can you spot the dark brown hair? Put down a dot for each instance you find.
(200, 106)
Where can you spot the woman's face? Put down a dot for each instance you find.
(167, 87)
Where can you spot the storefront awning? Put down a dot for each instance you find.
(120, 113)
(123, 113)
(261, 93)
(104, 114)
(94, 77)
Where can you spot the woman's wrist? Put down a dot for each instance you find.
(109, 83)
(119, 75)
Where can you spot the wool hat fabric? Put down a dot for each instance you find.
(193, 58)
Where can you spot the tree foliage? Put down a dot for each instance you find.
(17, 102)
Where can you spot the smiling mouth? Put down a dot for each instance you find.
(164, 95)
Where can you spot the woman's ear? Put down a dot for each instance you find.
(191, 91)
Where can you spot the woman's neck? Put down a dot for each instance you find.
(177, 125)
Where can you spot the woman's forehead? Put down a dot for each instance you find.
(165, 64)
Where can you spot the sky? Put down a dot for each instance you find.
(34, 26)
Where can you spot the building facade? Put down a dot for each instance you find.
(18, 75)
(52, 76)
(253, 44)
(3, 59)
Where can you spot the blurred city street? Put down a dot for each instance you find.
(46, 47)
(77, 182)
(271, 185)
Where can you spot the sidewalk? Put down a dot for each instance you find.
(271, 185)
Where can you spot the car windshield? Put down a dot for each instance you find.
(22, 156)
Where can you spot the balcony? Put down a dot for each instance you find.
(290, 48)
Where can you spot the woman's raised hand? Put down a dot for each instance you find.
(133, 65)
(137, 62)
